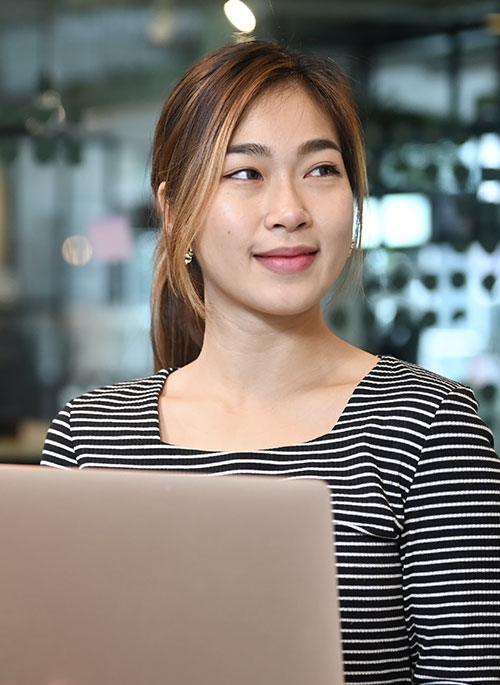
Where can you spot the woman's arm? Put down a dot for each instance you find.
(451, 550)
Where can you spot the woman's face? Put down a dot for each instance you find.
(278, 231)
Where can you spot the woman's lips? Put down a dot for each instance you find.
(287, 260)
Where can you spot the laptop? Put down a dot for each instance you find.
(140, 578)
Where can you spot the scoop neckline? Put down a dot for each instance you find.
(165, 373)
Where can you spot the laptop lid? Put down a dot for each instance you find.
(131, 578)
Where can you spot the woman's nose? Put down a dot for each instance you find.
(286, 208)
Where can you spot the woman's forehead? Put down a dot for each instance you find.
(290, 106)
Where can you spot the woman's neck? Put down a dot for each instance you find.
(260, 359)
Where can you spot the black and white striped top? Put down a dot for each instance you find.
(415, 488)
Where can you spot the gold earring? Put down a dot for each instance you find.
(353, 246)
(188, 257)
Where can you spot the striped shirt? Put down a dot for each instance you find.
(415, 492)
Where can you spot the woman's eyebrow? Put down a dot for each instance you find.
(317, 145)
(306, 148)
(249, 149)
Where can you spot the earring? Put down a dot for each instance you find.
(188, 257)
(353, 247)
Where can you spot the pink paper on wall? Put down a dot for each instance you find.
(111, 238)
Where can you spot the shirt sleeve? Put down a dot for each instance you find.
(450, 550)
(58, 449)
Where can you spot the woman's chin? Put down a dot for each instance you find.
(288, 308)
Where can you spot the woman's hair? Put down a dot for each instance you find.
(192, 135)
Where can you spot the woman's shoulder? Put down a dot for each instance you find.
(405, 391)
(401, 400)
(394, 373)
(131, 391)
(96, 417)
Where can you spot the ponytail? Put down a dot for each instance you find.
(176, 327)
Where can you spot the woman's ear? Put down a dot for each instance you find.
(161, 202)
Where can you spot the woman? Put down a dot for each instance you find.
(257, 165)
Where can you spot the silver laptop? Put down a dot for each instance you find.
(137, 578)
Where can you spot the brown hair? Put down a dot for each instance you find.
(191, 138)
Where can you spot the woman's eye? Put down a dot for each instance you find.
(325, 170)
(245, 175)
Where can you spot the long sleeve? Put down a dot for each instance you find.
(451, 550)
(58, 449)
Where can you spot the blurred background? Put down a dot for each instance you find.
(81, 85)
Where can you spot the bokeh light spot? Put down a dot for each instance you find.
(77, 250)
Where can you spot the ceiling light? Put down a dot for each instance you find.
(240, 15)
